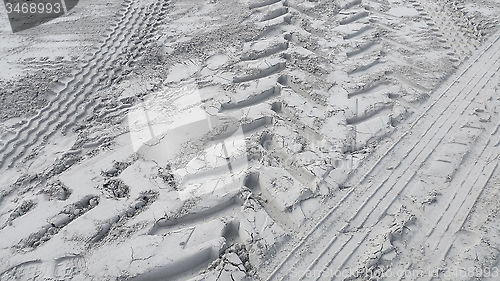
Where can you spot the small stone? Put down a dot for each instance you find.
(111, 171)
(51, 231)
(93, 202)
(323, 189)
(61, 220)
(140, 204)
(130, 212)
(15, 214)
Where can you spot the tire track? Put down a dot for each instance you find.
(316, 237)
(393, 191)
(85, 89)
(353, 18)
(362, 49)
(86, 75)
(252, 100)
(58, 222)
(132, 210)
(420, 117)
(384, 202)
(462, 46)
(460, 212)
(286, 114)
(261, 74)
(432, 36)
(375, 120)
(358, 32)
(82, 103)
(165, 225)
(74, 77)
(152, 22)
(273, 91)
(290, 82)
(483, 166)
(478, 162)
(221, 142)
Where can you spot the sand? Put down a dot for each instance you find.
(252, 140)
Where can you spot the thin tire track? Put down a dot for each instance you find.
(325, 218)
(78, 112)
(43, 110)
(391, 188)
(72, 99)
(54, 105)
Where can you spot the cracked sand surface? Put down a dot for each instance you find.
(251, 140)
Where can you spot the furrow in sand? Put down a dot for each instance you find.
(439, 107)
(385, 200)
(38, 124)
(80, 110)
(78, 77)
(81, 103)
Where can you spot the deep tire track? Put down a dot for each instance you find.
(321, 224)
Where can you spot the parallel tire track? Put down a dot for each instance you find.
(318, 234)
(140, 43)
(385, 201)
(86, 75)
(76, 78)
(83, 102)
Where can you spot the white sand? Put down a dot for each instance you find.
(252, 140)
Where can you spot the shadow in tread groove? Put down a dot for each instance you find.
(276, 13)
(353, 18)
(377, 109)
(358, 32)
(263, 4)
(361, 49)
(253, 100)
(263, 73)
(265, 53)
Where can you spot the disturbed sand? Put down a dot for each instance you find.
(252, 140)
